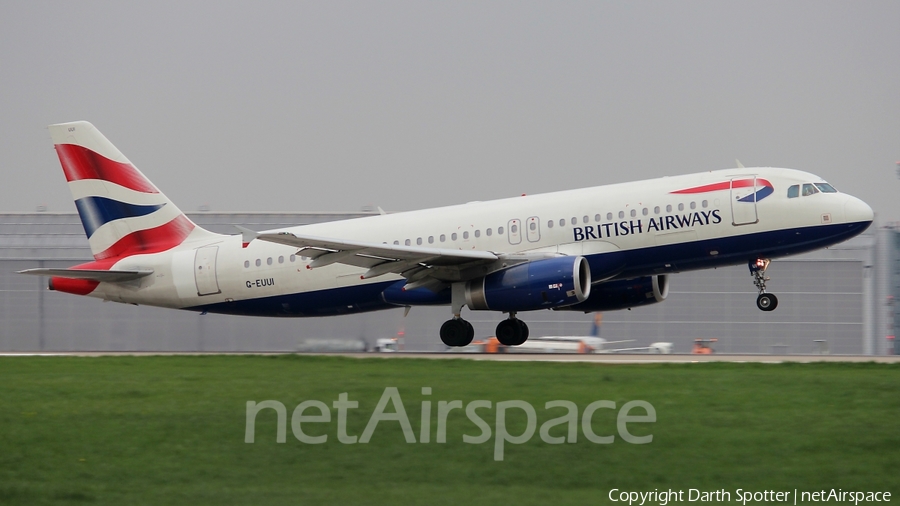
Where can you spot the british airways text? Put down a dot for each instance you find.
(660, 224)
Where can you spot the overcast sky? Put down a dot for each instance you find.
(293, 106)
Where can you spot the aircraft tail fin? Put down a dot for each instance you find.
(123, 213)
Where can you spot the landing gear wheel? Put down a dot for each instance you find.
(457, 332)
(523, 332)
(766, 301)
(512, 332)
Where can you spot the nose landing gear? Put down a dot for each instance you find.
(765, 301)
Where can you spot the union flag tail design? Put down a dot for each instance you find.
(123, 213)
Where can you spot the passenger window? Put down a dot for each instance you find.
(430, 239)
(532, 226)
(809, 189)
(681, 207)
(397, 243)
(293, 258)
(513, 229)
(794, 191)
(645, 211)
(633, 213)
(621, 214)
(693, 205)
(246, 264)
(585, 219)
(597, 217)
(466, 234)
(258, 262)
(500, 230)
(443, 237)
(550, 224)
(281, 259)
(705, 203)
(669, 208)
(269, 261)
(477, 234)
(488, 232)
(574, 220)
(608, 216)
(418, 241)
(656, 210)
(562, 222)
(406, 242)
(453, 236)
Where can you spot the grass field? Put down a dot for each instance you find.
(170, 430)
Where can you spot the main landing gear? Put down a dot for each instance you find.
(458, 332)
(765, 301)
(512, 332)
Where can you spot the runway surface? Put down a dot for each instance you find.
(612, 358)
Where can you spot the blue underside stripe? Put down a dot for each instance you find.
(629, 264)
(98, 211)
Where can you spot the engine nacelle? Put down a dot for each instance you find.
(398, 295)
(539, 284)
(625, 293)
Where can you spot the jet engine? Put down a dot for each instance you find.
(625, 293)
(539, 284)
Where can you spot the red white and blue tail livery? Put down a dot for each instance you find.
(591, 249)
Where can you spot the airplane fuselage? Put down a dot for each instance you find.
(592, 249)
(624, 231)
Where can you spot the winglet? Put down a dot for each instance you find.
(247, 235)
(739, 164)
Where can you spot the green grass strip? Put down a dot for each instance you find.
(170, 430)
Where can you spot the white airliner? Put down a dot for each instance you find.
(592, 249)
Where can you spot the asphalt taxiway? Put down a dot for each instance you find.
(611, 358)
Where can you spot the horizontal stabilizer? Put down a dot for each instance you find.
(91, 274)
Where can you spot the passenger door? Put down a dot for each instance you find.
(205, 270)
(743, 200)
(514, 231)
(533, 230)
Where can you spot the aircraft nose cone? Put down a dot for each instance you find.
(855, 211)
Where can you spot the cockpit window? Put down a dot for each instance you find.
(794, 191)
(809, 189)
(826, 188)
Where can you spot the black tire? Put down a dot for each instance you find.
(766, 302)
(523, 333)
(456, 332)
(509, 332)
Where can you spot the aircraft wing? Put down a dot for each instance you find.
(92, 274)
(421, 266)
